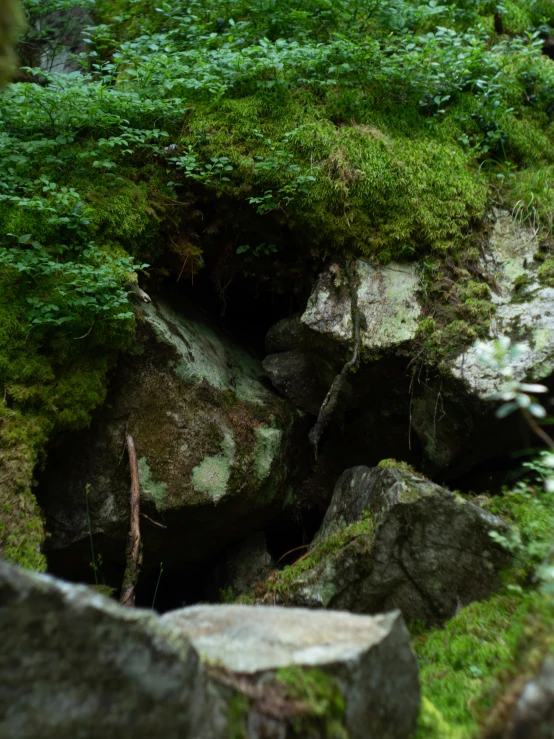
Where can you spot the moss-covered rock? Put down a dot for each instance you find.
(211, 439)
(474, 669)
(298, 673)
(418, 547)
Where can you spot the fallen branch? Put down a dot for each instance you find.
(329, 404)
(134, 555)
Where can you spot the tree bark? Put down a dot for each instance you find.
(134, 555)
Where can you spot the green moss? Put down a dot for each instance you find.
(322, 698)
(21, 526)
(237, 715)
(394, 464)
(465, 666)
(361, 532)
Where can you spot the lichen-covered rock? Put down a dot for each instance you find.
(75, 664)
(387, 304)
(392, 539)
(272, 664)
(211, 439)
(523, 309)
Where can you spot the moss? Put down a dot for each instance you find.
(465, 666)
(237, 716)
(324, 703)
(21, 526)
(546, 271)
(360, 532)
(394, 464)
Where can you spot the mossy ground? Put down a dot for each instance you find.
(466, 667)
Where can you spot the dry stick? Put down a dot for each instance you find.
(330, 402)
(134, 556)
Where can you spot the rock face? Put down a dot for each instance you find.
(211, 438)
(524, 309)
(367, 661)
(418, 547)
(306, 352)
(387, 302)
(76, 664)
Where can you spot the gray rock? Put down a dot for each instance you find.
(418, 547)
(301, 377)
(211, 438)
(368, 659)
(533, 714)
(76, 664)
(525, 315)
(387, 302)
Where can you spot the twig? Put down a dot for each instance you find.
(303, 546)
(152, 521)
(134, 556)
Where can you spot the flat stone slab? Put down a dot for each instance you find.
(368, 658)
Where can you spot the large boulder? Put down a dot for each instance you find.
(212, 441)
(360, 670)
(386, 300)
(392, 539)
(307, 351)
(75, 664)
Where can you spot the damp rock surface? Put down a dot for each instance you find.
(392, 539)
(212, 441)
(367, 659)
